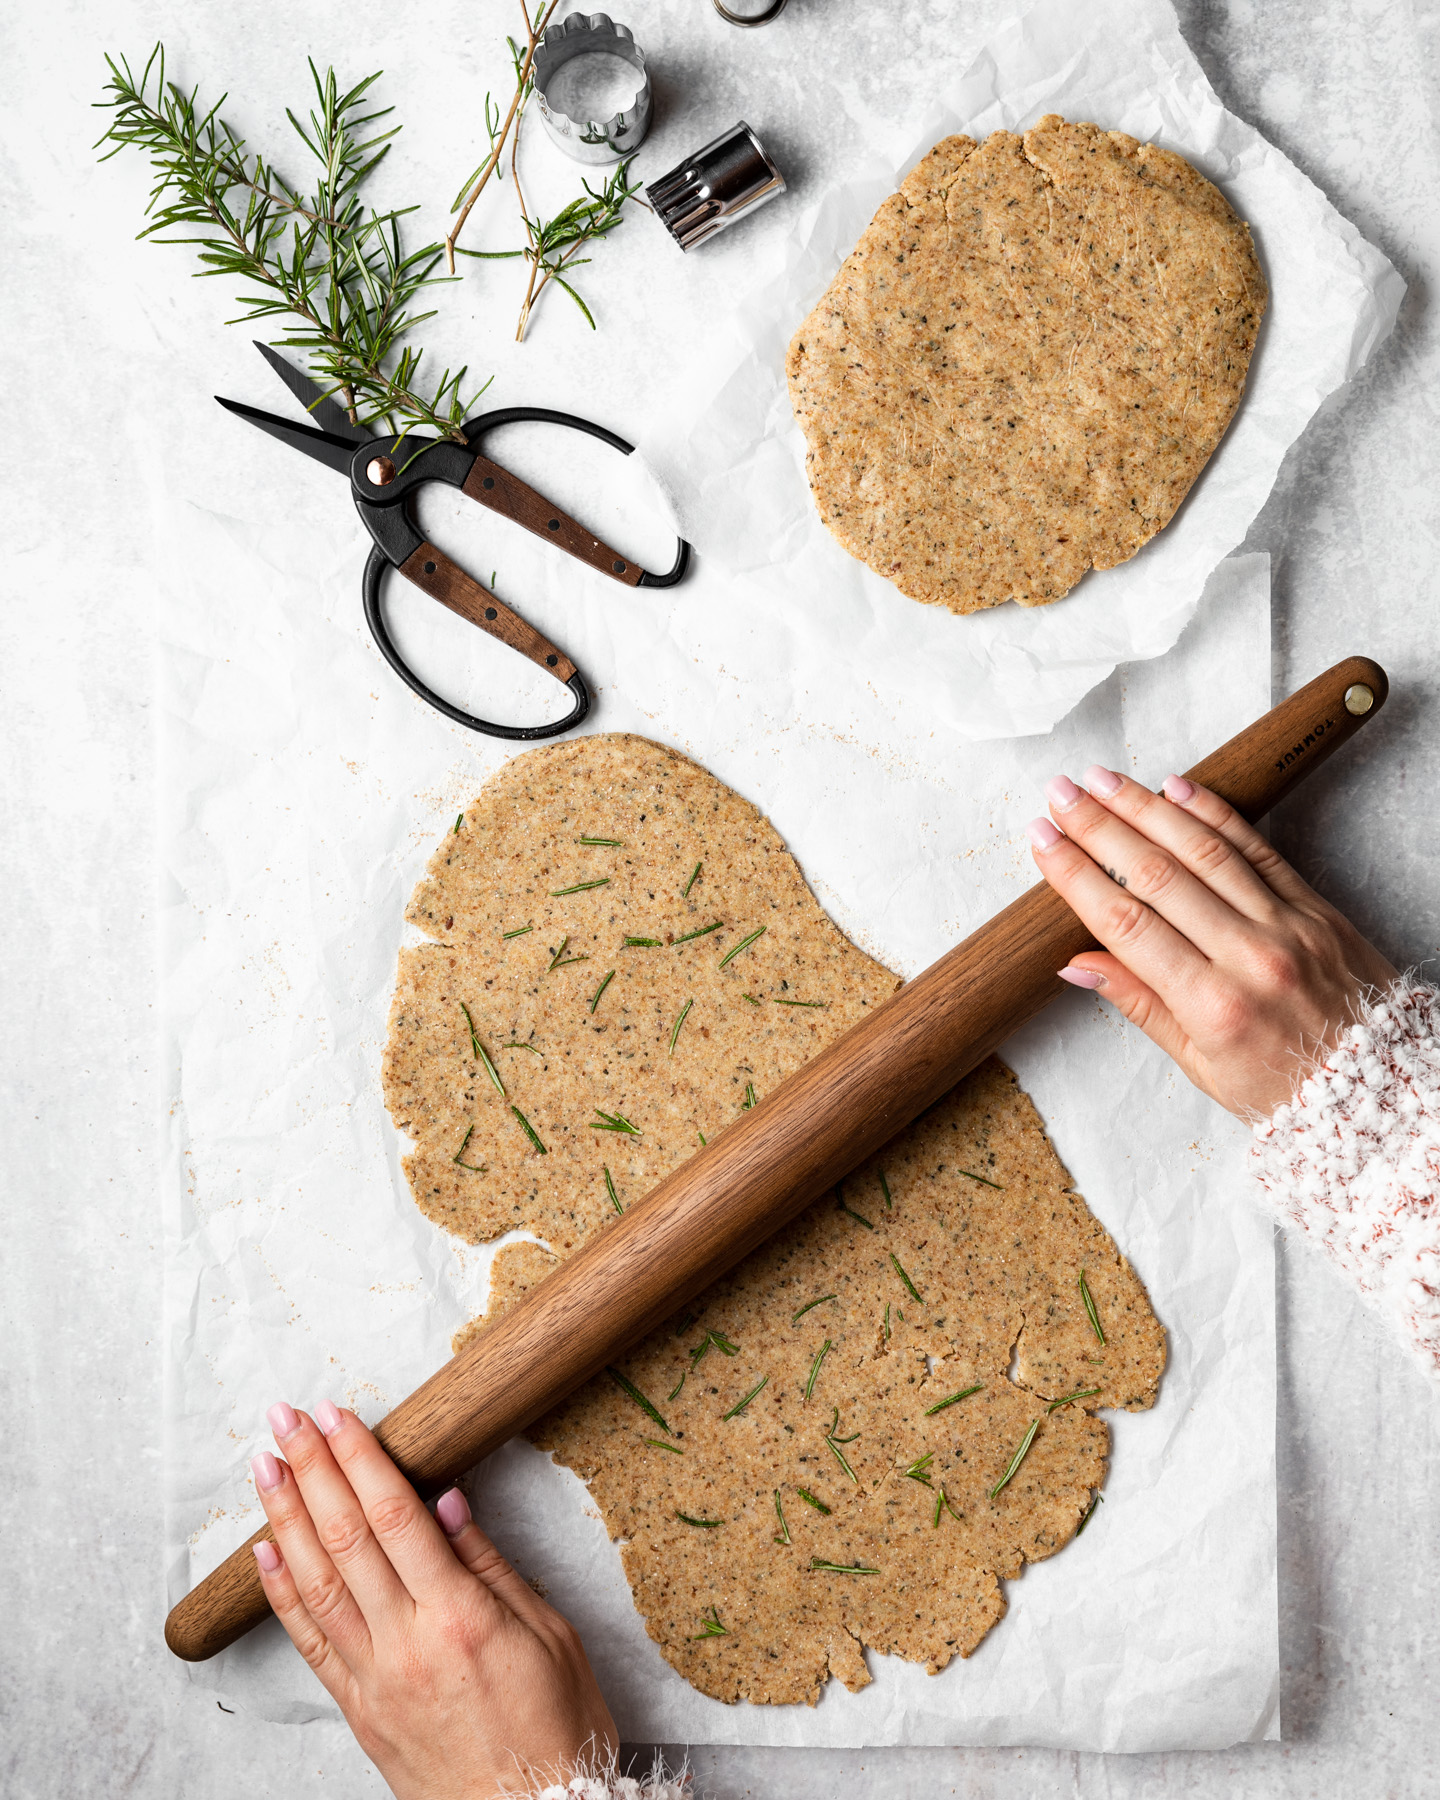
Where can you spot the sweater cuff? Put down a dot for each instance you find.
(603, 1781)
(1354, 1161)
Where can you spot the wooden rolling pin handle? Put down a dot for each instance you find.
(774, 1160)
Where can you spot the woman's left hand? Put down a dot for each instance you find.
(458, 1680)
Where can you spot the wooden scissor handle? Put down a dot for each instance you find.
(440, 579)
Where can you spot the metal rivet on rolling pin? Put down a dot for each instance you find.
(1359, 699)
(730, 177)
(380, 471)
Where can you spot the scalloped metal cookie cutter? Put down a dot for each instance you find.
(581, 35)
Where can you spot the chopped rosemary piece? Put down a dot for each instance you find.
(704, 931)
(677, 1387)
(711, 1627)
(815, 1368)
(595, 997)
(943, 1499)
(560, 961)
(801, 1003)
(704, 1524)
(648, 1407)
(749, 1099)
(515, 1044)
(474, 1168)
(950, 1399)
(1065, 1399)
(740, 1405)
(1088, 1510)
(459, 821)
(678, 1023)
(712, 1340)
(634, 943)
(841, 1568)
(919, 1470)
(610, 1190)
(474, 1035)
(810, 1500)
(840, 1197)
(477, 1049)
(807, 1306)
(694, 877)
(751, 998)
(616, 1122)
(1090, 1311)
(701, 1136)
(580, 887)
(887, 1321)
(779, 1513)
(884, 1188)
(603, 843)
(1017, 1458)
(914, 1291)
(982, 1178)
(660, 1444)
(519, 931)
(529, 1130)
(744, 944)
(685, 1323)
(833, 1443)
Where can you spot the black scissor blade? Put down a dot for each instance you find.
(335, 452)
(324, 410)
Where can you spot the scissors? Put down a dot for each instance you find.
(385, 476)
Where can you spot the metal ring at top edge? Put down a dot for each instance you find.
(730, 18)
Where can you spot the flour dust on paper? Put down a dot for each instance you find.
(889, 1408)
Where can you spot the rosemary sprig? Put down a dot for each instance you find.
(704, 1524)
(648, 1407)
(919, 1470)
(784, 1537)
(639, 943)
(984, 1179)
(459, 821)
(810, 1500)
(332, 270)
(580, 887)
(740, 1405)
(833, 1443)
(808, 1305)
(529, 1130)
(1085, 1520)
(1067, 1399)
(749, 1099)
(603, 843)
(678, 1023)
(519, 931)
(710, 1627)
(914, 1291)
(834, 1568)
(820, 1356)
(610, 1190)
(1090, 1312)
(744, 944)
(595, 997)
(694, 877)
(474, 1168)
(660, 1444)
(560, 960)
(884, 1188)
(616, 1122)
(1017, 1458)
(703, 931)
(950, 1399)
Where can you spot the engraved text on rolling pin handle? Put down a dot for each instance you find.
(1310, 738)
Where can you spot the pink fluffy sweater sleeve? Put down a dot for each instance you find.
(1354, 1161)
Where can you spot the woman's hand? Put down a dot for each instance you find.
(455, 1676)
(1214, 946)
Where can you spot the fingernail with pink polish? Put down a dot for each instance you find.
(267, 1472)
(329, 1417)
(267, 1556)
(452, 1509)
(1042, 834)
(1178, 789)
(1081, 978)
(284, 1420)
(1061, 792)
(1103, 782)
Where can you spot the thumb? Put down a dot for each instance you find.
(1108, 977)
(482, 1559)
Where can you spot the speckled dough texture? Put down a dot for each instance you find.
(958, 1248)
(1025, 362)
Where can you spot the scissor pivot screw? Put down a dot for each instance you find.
(380, 471)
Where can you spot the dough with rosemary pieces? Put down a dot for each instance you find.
(969, 1209)
(1025, 363)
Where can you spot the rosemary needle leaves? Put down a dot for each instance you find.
(749, 1099)
(833, 1443)
(606, 844)
(884, 1188)
(1090, 1312)
(942, 1499)
(819, 1566)
(712, 1340)
(704, 1524)
(580, 887)
(919, 1470)
(810, 1500)
(711, 1627)
(675, 1033)
(660, 1444)
(703, 931)
(519, 931)
(560, 960)
(648, 1407)
(1085, 1519)
(914, 1291)
(802, 1002)
(820, 1356)
(950, 1399)
(634, 943)
(694, 877)
(515, 1044)
(809, 1304)
(529, 1130)
(595, 997)
(983, 1179)
(784, 1537)
(858, 1217)
(475, 1049)
(1017, 1458)
(744, 944)
(615, 1122)
(478, 1050)
(459, 821)
(458, 1157)
(740, 1405)
(1069, 1399)
(610, 1190)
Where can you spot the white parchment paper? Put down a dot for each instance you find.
(734, 464)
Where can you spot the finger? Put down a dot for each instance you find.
(1150, 948)
(341, 1528)
(1108, 977)
(1146, 869)
(1205, 852)
(321, 1589)
(412, 1543)
(477, 1554)
(1269, 866)
(278, 1581)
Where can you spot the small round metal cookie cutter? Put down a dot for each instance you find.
(733, 174)
(566, 100)
(761, 16)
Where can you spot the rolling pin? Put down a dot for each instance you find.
(817, 1126)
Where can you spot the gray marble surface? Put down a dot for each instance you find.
(90, 1701)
